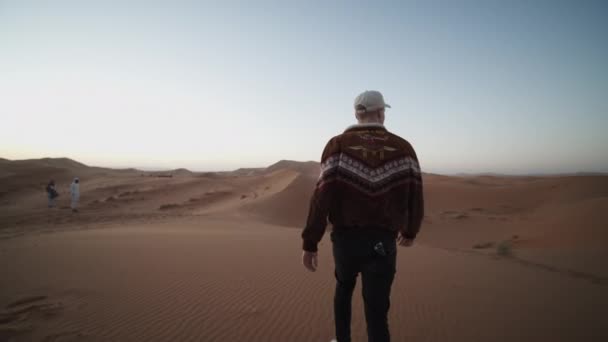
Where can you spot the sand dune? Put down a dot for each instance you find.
(181, 255)
(309, 168)
(288, 207)
(225, 281)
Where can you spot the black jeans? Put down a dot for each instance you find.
(359, 252)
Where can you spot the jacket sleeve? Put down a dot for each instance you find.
(321, 197)
(415, 210)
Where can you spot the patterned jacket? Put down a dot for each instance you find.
(370, 178)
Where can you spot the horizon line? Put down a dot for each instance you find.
(450, 174)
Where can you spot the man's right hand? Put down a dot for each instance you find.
(404, 242)
(309, 259)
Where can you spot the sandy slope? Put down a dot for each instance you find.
(218, 280)
(208, 257)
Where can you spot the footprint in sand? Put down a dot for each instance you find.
(64, 336)
(18, 316)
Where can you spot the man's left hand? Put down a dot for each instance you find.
(403, 241)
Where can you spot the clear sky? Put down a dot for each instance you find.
(475, 86)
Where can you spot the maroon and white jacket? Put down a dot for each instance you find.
(370, 179)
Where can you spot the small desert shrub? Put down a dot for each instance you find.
(483, 245)
(168, 206)
(504, 249)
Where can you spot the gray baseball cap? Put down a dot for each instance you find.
(370, 100)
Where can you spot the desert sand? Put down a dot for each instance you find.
(186, 256)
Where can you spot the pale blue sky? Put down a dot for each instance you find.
(475, 86)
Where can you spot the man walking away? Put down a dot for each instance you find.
(51, 193)
(370, 188)
(75, 193)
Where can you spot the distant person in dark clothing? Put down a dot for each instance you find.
(51, 193)
(370, 188)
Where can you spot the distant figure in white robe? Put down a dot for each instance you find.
(75, 193)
